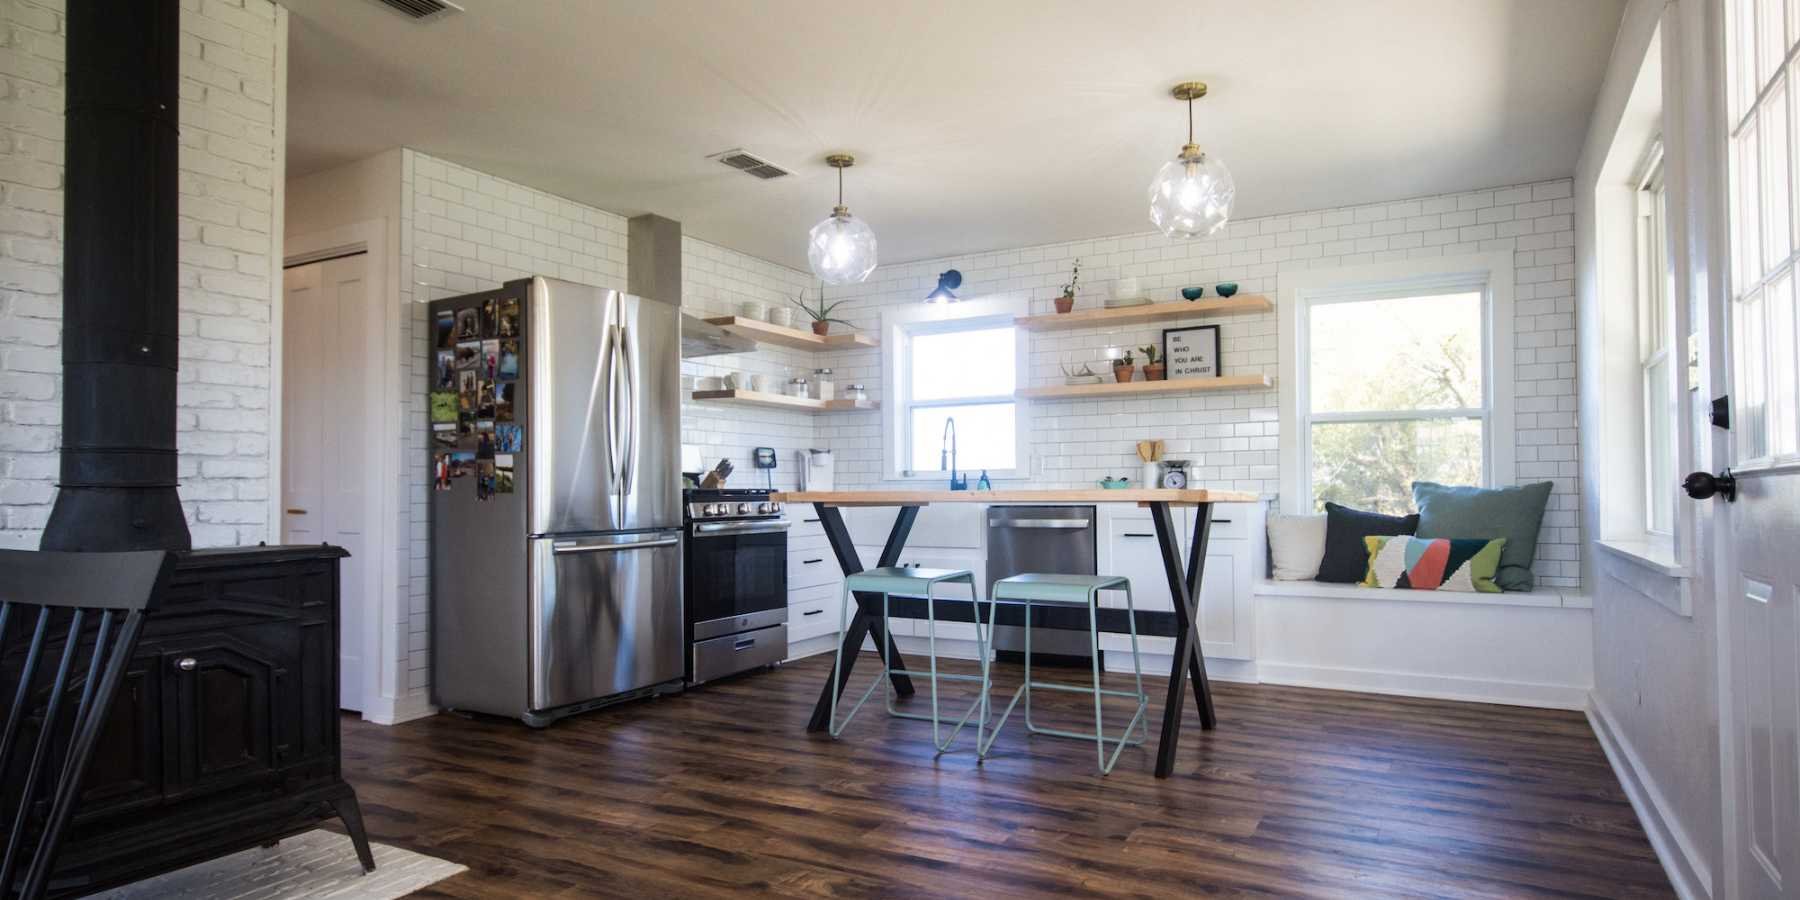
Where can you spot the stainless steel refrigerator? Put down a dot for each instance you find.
(555, 499)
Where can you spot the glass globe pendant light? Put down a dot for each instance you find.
(841, 249)
(1192, 194)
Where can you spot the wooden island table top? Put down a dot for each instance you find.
(1140, 496)
(870, 618)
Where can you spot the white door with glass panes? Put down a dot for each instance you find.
(1759, 571)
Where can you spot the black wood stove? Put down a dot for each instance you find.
(224, 731)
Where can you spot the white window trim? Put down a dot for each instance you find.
(898, 323)
(1654, 273)
(1492, 269)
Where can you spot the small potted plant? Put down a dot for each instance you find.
(820, 314)
(1153, 364)
(1123, 367)
(1066, 302)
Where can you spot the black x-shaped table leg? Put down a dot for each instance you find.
(1188, 662)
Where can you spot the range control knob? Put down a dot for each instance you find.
(774, 507)
(743, 509)
(709, 510)
(764, 508)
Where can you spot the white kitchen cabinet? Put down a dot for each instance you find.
(1128, 547)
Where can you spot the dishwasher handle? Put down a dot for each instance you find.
(1061, 524)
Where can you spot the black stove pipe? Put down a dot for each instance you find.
(117, 486)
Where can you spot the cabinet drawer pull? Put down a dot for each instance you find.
(808, 562)
(1221, 521)
(813, 612)
(1139, 534)
(187, 664)
(810, 521)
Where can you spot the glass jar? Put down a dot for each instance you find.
(856, 392)
(824, 386)
(796, 387)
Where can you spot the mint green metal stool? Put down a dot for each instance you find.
(1072, 590)
(914, 582)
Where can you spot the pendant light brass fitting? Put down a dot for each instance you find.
(845, 160)
(1188, 90)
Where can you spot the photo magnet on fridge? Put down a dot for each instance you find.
(445, 330)
(445, 435)
(465, 423)
(490, 359)
(509, 438)
(444, 406)
(509, 359)
(509, 317)
(503, 400)
(484, 406)
(468, 390)
(490, 318)
(462, 462)
(503, 474)
(468, 324)
(445, 379)
(484, 445)
(440, 471)
(484, 479)
(468, 355)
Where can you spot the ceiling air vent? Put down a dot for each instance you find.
(421, 10)
(749, 164)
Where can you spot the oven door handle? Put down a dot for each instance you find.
(1040, 523)
(717, 529)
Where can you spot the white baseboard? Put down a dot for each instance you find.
(394, 710)
(1688, 872)
(1437, 687)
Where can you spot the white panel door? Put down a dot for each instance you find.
(330, 335)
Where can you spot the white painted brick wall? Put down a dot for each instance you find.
(1232, 437)
(229, 141)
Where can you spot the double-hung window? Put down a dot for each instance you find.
(952, 399)
(1393, 380)
(1656, 322)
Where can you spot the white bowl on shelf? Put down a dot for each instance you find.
(781, 316)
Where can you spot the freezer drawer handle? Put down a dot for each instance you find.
(744, 644)
(705, 529)
(560, 549)
(1039, 523)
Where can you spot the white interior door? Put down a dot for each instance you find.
(330, 488)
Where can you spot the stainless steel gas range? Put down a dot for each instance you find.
(736, 582)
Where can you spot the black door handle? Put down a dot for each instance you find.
(1703, 485)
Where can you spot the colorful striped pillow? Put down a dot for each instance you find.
(1433, 564)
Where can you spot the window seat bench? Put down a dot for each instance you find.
(1542, 598)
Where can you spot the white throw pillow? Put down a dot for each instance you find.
(1296, 545)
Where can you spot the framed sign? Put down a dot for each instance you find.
(1192, 352)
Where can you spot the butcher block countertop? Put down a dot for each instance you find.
(1140, 496)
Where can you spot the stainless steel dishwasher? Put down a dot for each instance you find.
(1050, 539)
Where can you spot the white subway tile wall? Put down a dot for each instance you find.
(229, 141)
(463, 231)
(1231, 438)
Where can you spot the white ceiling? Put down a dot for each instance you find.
(976, 125)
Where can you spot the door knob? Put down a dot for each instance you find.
(1703, 485)
(187, 664)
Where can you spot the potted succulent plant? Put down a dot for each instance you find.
(1066, 302)
(1153, 364)
(1123, 367)
(821, 313)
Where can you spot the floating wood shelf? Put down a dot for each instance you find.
(1151, 312)
(783, 401)
(1131, 388)
(763, 332)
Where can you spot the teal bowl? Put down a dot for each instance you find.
(1226, 289)
(1193, 293)
(1115, 484)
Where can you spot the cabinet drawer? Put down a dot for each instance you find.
(810, 568)
(1230, 523)
(813, 617)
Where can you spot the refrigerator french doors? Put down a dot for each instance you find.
(564, 592)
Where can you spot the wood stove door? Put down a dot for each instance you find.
(221, 700)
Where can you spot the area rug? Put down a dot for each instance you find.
(318, 863)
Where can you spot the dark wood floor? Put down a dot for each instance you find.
(720, 792)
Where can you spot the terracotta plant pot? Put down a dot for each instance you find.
(1154, 372)
(1065, 303)
(821, 327)
(1122, 374)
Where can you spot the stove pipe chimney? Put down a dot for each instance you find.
(117, 490)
